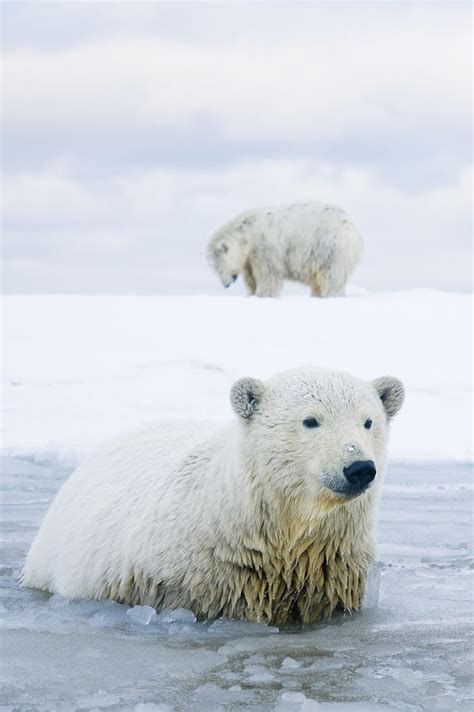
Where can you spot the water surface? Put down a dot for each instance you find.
(411, 652)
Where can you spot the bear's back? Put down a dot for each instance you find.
(101, 513)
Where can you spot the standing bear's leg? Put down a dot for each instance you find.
(268, 278)
(319, 284)
(328, 283)
(249, 279)
(268, 286)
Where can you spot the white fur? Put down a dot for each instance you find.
(230, 523)
(313, 243)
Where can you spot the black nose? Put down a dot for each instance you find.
(360, 474)
(234, 277)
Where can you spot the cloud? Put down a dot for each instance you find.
(130, 131)
(160, 220)
(391, 79)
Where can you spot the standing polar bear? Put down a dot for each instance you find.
(270, 519)
(313, 243)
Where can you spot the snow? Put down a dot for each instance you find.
(78, 369)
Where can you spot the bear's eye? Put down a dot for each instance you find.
(368, 424)
(310, 423)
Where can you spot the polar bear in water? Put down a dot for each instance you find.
(269, 519)
(313, 243)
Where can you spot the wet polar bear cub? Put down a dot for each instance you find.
(312, 243)
(270, 519)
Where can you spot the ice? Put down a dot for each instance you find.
(79, 369)
(411, 652)
(108, 613)
(143, 615)
(211, 696)
(100, 700)
(178, 615)
(297, 702)
(372, 586)
(290, 702)
(240, 628)
(290, 664)
(260, 677)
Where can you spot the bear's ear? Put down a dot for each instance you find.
(391, 392)
(245, 396)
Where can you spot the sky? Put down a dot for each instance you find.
(131, 131)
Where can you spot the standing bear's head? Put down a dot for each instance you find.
(228, 248)
(315, 435)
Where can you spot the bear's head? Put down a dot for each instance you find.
(317, 435)
(228, 250)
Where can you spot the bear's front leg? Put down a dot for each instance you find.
(267, 284)
(249, 279)
(266, 272)
(270, 288)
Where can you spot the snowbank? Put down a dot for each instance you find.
(78, 369)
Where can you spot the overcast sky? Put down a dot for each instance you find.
(131, 131)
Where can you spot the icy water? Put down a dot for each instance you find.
(411, 652)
